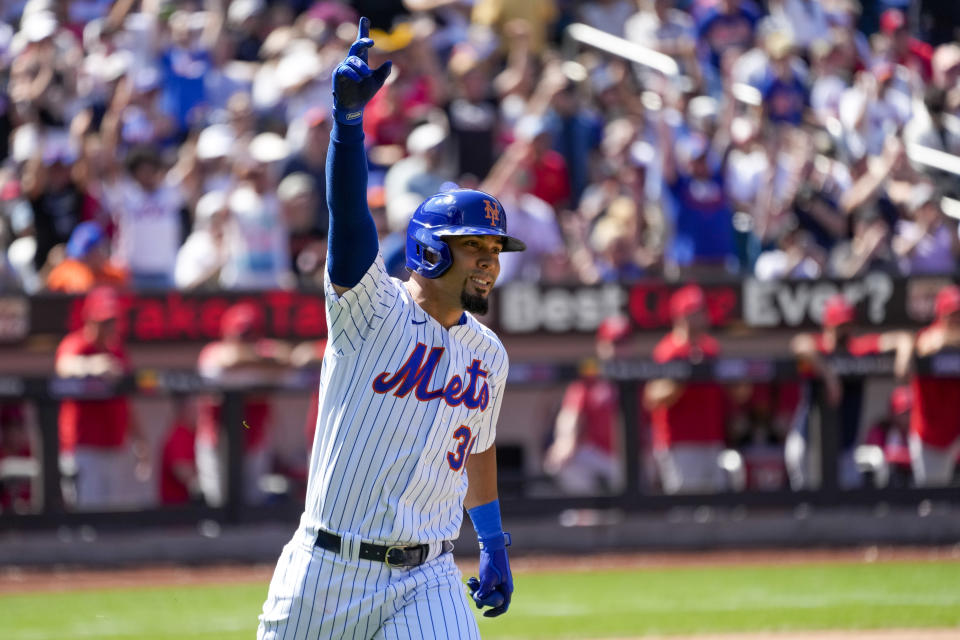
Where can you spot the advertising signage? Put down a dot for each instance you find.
(522, 308)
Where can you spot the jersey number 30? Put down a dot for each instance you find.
(458, 457)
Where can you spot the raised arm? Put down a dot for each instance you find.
(352, 237)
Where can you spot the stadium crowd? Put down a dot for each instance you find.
(162, 144)
(153, 145)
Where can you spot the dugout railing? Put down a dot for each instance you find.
(45, 395)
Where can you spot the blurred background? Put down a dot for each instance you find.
(738, 298)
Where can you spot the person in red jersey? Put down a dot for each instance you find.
(904, 48)
(845, 396)
(688, 418)
(584, 458)
(935, 420)
(891, 435)
(241, 357)
(98, 432)
(178, 460)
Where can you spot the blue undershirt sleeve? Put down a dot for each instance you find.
(352, 242)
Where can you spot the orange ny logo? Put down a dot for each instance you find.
(491, 213)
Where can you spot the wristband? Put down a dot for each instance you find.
(347, 117)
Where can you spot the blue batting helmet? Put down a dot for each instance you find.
(459, 212)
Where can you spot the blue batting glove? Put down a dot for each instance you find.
(354, 83)
(495, 587)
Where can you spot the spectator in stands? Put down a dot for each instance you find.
(546, 171)
(615, 240)
(473, 115)
(179, 483)
(298, 206)
(905, 49)
(186, 61)
(148, 214)
(259, 241)
(688, 418)
(58, 200)
(584, 458)
(784, 92)
(206, 250)
(241, 357)
(796, 257)
(87, 264)
(418, 176)
(311, 160)
(727, 26)
(927, 244)
(891, 435)
(98, 433)
(16, 450)
(702, 237)
(870, 249)
(501, 15)
(934, 422)
(659, 25)
(844, 396)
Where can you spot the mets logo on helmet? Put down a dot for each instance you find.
(491, 213)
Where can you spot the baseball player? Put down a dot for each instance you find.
(409, 396)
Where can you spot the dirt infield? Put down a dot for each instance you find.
(15, 580)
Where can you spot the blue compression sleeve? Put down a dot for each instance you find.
(486, 520)
(352, 242)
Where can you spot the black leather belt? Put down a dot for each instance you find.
(392, 555)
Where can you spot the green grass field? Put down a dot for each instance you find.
(549, 604)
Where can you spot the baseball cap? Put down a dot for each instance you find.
(239, 319)
(208, 205)
(83, 239)
(891, 20)
(901, 400)
(614, 329)
(837, 311)
(215, 141)
(268, 147)
(425, 137)
(947, 302)
(686, 301)
(101, 304)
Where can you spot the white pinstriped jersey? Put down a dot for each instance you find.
(403, 403)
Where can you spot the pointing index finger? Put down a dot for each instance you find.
(364, 29)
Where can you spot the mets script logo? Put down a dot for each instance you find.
(415, 375)
(491, 213)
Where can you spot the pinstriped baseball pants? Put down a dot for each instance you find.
(318, 594)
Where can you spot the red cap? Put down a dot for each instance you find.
(687, 300)
(614, 329)
(891, 20)
(901, 400)
(948, 301)
(837, 310)
(239, 319)
(101, 304)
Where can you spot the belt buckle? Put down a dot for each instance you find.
(390, 549)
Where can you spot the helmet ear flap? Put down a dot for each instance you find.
(426, 254)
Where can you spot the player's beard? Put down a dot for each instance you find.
(473, 303)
